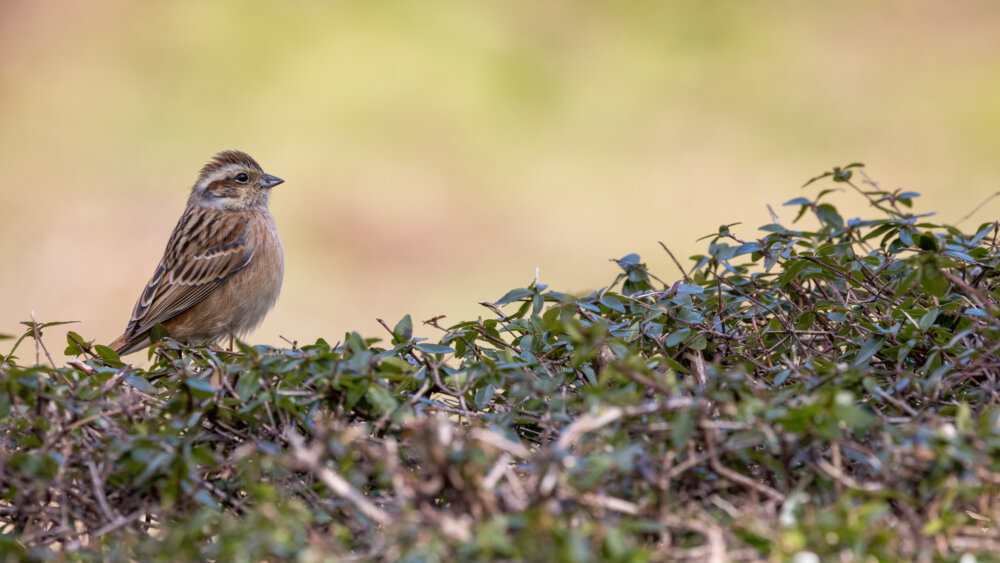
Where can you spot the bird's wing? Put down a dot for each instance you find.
(206, 247)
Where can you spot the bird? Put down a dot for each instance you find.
(222, 269)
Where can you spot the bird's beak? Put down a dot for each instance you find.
(269, 181)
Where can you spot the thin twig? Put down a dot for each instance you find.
(38, 341)
(308, 458)
(102, 500)
(687, 278)
(978, 207)
(724, 471)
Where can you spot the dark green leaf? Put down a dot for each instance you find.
(514, 295)
(403, 331)
(434, 348)
(681, 428)
(200, 388)
(157, 333)
(870, 347)
(677, 337)
(798, 201)
(613, 302)
(928, 318)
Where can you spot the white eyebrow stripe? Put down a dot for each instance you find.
(217, 174)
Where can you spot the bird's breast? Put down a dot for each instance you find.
(253, 291)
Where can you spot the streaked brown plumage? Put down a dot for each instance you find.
(222, 269)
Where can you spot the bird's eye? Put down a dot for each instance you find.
(242, 178)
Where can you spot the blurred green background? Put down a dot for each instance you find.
(437, 153)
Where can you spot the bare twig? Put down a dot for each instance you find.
(609, 503)
(38, 341)
(98, 484)
(724, 471)
(687, 278)
(978, 207)
(715, 541)
(308, 458)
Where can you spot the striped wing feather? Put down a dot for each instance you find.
(206, 247)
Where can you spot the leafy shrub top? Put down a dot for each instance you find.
(831, 391)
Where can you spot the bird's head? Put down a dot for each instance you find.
(233, 180)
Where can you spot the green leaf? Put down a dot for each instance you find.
(932, 280)
(356, 343)
(514, 295)
(815, 178)
(928, 318)
(629, 259)
(434, 348)
(847, 411)
(140, 383)
(677, 337)
(72, 347)
(798, 201)
(403, 330)
(681, 428)
(200, 388)
(870, 347)
(828, 214)
(157, 333)
(538, 302)
(689, 289)
(483, 396)
(109, 356)
(205, 498)
(699, 343)
(613, 302)
(381, 399)
(31, 324)
(928, 241)
(248, 384)
(805, 320)
(963, 418)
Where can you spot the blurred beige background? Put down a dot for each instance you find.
(436, 153)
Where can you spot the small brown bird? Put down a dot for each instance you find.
(221, 271)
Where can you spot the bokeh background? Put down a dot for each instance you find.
(437, 153)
